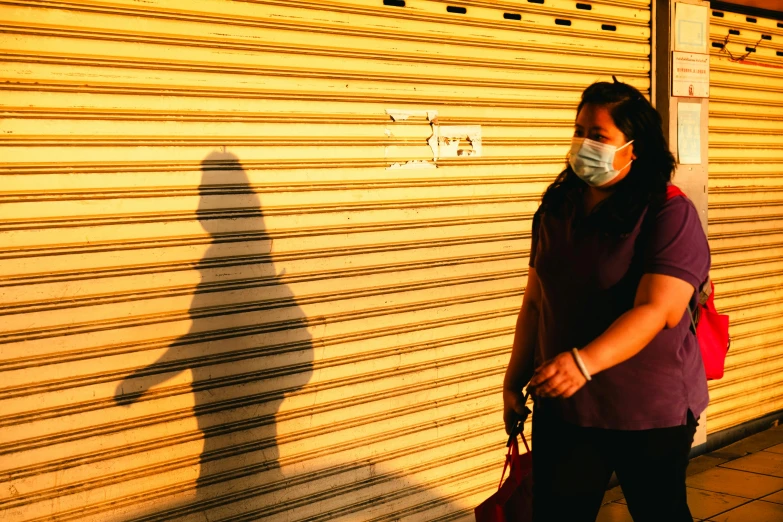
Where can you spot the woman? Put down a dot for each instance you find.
(603, 337)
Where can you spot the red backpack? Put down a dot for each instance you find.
(710, 327)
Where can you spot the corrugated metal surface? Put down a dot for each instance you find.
(221, 300)
(746, 212)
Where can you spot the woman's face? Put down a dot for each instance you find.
(595, 122)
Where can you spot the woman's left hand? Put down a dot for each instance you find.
(559, 377)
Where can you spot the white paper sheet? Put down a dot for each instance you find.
(691, 28)
(689, 133)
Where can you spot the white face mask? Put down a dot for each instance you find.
(593, 161)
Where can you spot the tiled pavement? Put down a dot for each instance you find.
(742, 482)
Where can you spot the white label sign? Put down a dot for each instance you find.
(691, 75)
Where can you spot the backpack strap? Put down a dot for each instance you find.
(672, 191)
(705, 289)
(693, 322)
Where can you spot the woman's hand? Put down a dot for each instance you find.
(559, 377)
(513, 408)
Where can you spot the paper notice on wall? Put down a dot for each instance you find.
(691, 28)
(690, 75)
(689, 133)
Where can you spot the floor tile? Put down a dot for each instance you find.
(754, 443)
(776, 449)
(759, 441)
(756, 511)
(735, 482)
(775, 497)
(614, 513)
(704, 504)
(612, 495)
(763, 462)
(703, 463)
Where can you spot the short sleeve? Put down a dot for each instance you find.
(678, 246)
(534, 238)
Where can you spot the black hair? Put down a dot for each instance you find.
(650, 172)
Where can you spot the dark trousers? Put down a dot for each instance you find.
(572, 466)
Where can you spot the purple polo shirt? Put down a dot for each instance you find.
(588, 280)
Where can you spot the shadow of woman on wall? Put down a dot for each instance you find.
(247, 348)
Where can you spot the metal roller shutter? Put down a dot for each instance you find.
(746, 212)
(262, 260)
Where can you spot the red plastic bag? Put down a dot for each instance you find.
(710, 327)
(712, 332)
(513, 501)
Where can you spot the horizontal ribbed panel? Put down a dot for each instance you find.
(236, 282)
(746, 214)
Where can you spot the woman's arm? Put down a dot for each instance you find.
(660, 303)
(520, 367)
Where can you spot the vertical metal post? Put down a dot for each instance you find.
(692, 179)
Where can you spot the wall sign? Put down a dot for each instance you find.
(691, 28)
(689, 133)
(690, 75)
